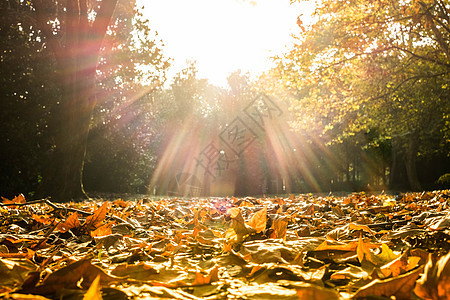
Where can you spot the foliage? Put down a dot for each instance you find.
(373, 66)
(357, 246)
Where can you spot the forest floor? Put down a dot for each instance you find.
(359, 246)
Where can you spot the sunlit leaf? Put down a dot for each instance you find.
(279, 227)
(103, 230)
(316, 293)
(212, 276)
(401, 286)
(94, 292)
(259, 220)
(435, 281)
(71, 222)
(96, 219)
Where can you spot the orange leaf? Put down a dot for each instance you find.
(351, 246)
(259, 220)
(211, 277)
(71, 222)
(120, 203)
(435, 282)
(400, 286)
(102, 230)
(97, 218)
(19, 199)
(280, 228)
(313, 292)
(234, 212)
(363, 251)
(43, 219)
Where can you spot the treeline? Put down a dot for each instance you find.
(358, 103)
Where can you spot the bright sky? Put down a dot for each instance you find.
(223, 36)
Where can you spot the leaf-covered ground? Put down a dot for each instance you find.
(301, 247)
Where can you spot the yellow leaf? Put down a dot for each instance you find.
(207, 279)
(94, 292)
(259, 220)
(353, 226)
(363, 251)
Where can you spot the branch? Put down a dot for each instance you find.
(404, 82)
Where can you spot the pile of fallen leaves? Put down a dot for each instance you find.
(301, 247)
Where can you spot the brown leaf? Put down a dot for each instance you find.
(401, 286)
(353, 226)
(69, 276)
(97, 218)
(279, 227)
(140, 271)
(435, 282)
(103, 230)
(71, 222)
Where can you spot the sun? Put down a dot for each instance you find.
(223, 36)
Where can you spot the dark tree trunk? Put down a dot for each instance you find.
(77, 64)
(410, 162)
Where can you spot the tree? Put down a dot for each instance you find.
(27, 91)
(75, 37)
(373, 65)
(125, 131)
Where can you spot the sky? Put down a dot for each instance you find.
(223, 36)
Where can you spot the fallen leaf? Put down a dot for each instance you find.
(258, 220)
(312, 292)
(401, 286)
(70, 223)
(96, 219)
(435, 281)
(279, 227)
(94, 292)
(212, 276)
(103, 230)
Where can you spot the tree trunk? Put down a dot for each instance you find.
(410, 161)
(77, 64)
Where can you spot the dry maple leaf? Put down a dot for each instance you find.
(96, 219)
(238, 224)
(103, 230)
